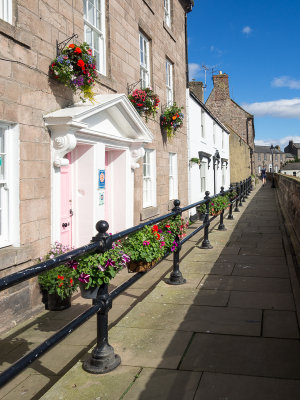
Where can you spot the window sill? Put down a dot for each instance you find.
(149, 5)
(149, 212)
(169, 31)
(11, 256)
(107, 82)
(18, 35)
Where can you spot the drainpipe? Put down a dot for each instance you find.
(186, 52)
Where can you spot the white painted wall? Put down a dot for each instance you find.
(206, 144)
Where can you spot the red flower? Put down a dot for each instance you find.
(155, 228)
(71, 281)
(78, 50)
(157, 236)
(60, 284)
(80, 63)
(60, 277)
(71, 46)
(52, 65)
(168, 226)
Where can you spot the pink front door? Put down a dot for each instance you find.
(66, 205)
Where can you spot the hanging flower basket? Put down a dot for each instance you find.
(145, 101)
(75, 67)
(171, 120)
(141, 266)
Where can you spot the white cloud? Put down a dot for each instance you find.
(284, 108)
(194, 71)
(247, 30)
(282, 142)
(286, 81)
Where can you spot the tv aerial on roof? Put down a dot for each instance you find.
(210, 70)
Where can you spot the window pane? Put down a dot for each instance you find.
(90, 14)
(88, 36)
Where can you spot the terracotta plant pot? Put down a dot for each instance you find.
(141, 266)
(56, 303)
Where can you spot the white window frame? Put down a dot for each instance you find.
(223, 176)
(6, 10)
(98, 42)
(144, 44)
(167, 10)
(169, 83)
(214, 133)
(202, 124)
(203, 177)
(149, 178)
(173, 176)
(9, 187)
(223, 139)
(259, 169)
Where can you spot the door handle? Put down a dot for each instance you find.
(64, 225)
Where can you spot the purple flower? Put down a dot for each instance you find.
(110, 263)
(125, 258)
(102, 268)
(160, 231)
(73, 264)
(84, 277)
(78, 81)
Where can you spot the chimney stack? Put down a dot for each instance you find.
(197, 89)
(221, 87)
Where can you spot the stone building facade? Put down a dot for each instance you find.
(44, 133)
(263, 158)
(293, 148)
(239, 122)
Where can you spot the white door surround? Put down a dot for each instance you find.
(87, 131)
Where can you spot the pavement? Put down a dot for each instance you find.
(230, 333)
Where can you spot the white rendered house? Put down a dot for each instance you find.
(208, 147)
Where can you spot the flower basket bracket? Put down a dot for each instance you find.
(61, 45)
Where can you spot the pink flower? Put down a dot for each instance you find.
(146, 243)
(84, 278)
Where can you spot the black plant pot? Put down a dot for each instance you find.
(56, 303)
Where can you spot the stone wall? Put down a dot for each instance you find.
(27, 93)
(288, 189)
(239, 159)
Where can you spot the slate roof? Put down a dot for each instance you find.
(266, 149)
(291, 167)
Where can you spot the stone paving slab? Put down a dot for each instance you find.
(248, 284)
(215, 386)
(183, 295)
(280, 324)
(192, 280)
(193, 318)
(79, 385)
(254, 356)
(267, 270)
(277, 301)
(203, 267)
(164, 384)
(240, 259)
(149, 347)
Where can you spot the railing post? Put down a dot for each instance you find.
(206, 243)
(221, 226)
(236, 209)
(243, 183)
(230, 216)
(241, 194)
(245, 189)
(248, 186)
(176, 277)
(103, 358)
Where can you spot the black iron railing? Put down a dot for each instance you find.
(103, 358)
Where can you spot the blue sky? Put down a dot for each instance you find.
(257, 43)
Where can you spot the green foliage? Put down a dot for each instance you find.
(171, 119)
(195, 160)
(215, 205)
(98, 268)
(145, 101)
(59, 280)
(75, 67)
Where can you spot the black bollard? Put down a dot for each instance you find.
(221, 226)
(176, 277)
(241, 194)
(206, 243)
(103, 358)
(230, 216)
(237, 198)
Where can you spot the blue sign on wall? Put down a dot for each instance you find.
(101, 179)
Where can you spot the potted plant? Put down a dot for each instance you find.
(75, 67)
(216, 206)
(94, 270)
(147, 246)
(58, 284)
(171, 119)
(145, 101)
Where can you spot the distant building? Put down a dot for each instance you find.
(263, 158)
(291, 169)
(293, 148)
(240, 125)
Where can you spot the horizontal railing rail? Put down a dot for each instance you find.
(103, 358)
